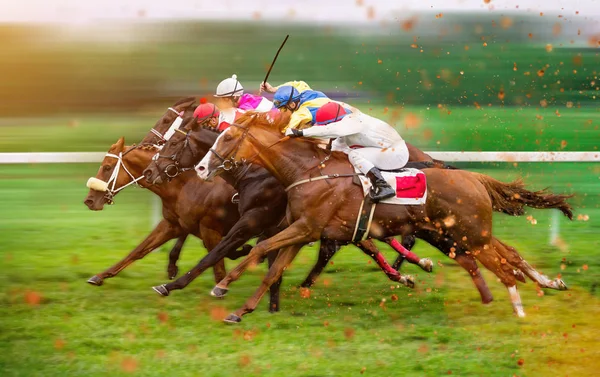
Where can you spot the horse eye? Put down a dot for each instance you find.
(227, 137)
(106, 167)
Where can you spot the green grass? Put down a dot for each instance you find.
(50, 244)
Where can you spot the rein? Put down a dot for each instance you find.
(175, 125)
(230, 163)
(173, 169)
(112, 191)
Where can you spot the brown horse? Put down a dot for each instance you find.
(190, 206)
(458, 208)
(262, 206)
(184, 144)
(181, 109)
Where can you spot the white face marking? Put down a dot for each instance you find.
(202, 167)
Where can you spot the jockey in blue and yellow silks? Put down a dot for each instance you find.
(299, 98)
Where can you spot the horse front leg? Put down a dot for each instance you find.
(163, 232)
(297, 233)
(172, 268)
(274, 288)
(285, 257)
(326, 251)
(240, 233)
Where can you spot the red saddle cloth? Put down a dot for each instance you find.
(411, 187)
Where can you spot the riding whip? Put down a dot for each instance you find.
(275, 59)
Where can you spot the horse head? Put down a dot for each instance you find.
(240, 143)
(187, 145)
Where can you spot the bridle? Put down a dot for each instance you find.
(175, 125)
(173, 169)
(111, 190)
(230, 163)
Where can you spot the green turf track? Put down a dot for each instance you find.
(50, 244)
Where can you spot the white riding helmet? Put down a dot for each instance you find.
(230, 87)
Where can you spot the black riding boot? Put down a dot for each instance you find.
(380, 190)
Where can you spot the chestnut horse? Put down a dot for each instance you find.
(177, 155)
(458, 207)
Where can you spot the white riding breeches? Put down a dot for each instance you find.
(394, 157)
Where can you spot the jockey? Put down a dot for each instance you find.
(370, 143)
(299, 98)
(232, 98)
(208, 115)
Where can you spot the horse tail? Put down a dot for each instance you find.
(511, 198)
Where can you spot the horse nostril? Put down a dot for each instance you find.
(88, 202)
(201, 168)
(148, 173)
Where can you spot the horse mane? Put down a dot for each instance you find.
(264, 119)
(211, 129)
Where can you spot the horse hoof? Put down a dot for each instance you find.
(426, 264)
(561, 285)
(96, 280)
(172, 272)
(161, 290)
(232, 318)
(219, 292)
(409, 281)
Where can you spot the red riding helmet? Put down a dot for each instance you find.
(206, 111)
(328, 113)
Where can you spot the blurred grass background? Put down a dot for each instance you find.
(452, 82)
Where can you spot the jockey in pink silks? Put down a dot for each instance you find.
(233, 100)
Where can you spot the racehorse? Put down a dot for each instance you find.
(458, 208)
(190, 205)
(262, 206)
(185, 147)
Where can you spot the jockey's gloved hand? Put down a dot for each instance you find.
(292, 132)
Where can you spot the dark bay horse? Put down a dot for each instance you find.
(458, 209)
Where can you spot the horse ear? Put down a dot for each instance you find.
(184, 104)
(191, 124)
(118, 146)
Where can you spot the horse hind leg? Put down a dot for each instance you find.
(492, 261)
(467, 262)
(326, 251)
(514, 258)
